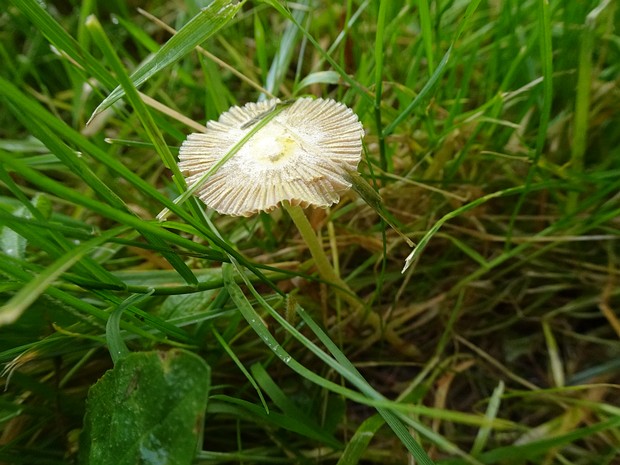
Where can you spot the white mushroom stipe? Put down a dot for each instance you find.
(302, 155)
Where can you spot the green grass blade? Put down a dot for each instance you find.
(289, 408)
(253, 412)
(202, 26)
(348, 371)
(36, 111)
(582, 97)
(63, 42)
(533, 451)
(319, 77)
(391, 413)
(359, 442)
(379, 54)
(242, 368)
(454, 213)
(432, 81)
(427, 33)
(284, 54)
(116, 345)
(484, 432)
(343, 74)
(151, 129)
(57, 189)
(546, 57)
(14, 308)
(70, 159)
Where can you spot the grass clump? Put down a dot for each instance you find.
(491, 137)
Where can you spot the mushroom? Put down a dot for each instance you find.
(271, 153)
(301, 155)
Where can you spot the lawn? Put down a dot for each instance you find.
(459, 304)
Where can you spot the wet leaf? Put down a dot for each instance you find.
(148, 409)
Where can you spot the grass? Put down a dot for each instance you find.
(491, 136)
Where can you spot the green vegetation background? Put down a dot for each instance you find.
(491, 135)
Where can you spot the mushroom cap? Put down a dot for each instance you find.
(302, 155)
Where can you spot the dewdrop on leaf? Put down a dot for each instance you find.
(303, 154)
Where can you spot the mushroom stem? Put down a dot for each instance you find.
(326, 271)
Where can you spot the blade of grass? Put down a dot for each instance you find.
(379, 55)
(391, 414)
(536, 449)
(482, 436)
(202, 26)
(25, 104)
(243, 409)
(242, 368)
(284, 54)
(70, 159)
(116, 345)
(356, 446)
(546, 58)
(348, 79)
(150, 127)
(288, 407)
(555, 359)
(152, 131)
(473, 204)
(427, 33)
(38, 221)
(582, 97)
(63, 192)
(441, 68)
(60, 39)
(340, 364)
(16, 306)
(55, 245)
(209, 55)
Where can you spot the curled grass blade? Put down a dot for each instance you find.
(116, 345)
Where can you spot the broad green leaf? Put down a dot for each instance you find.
(196, 31)
(148, 409)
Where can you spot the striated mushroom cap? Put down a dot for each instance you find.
(302, 155)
